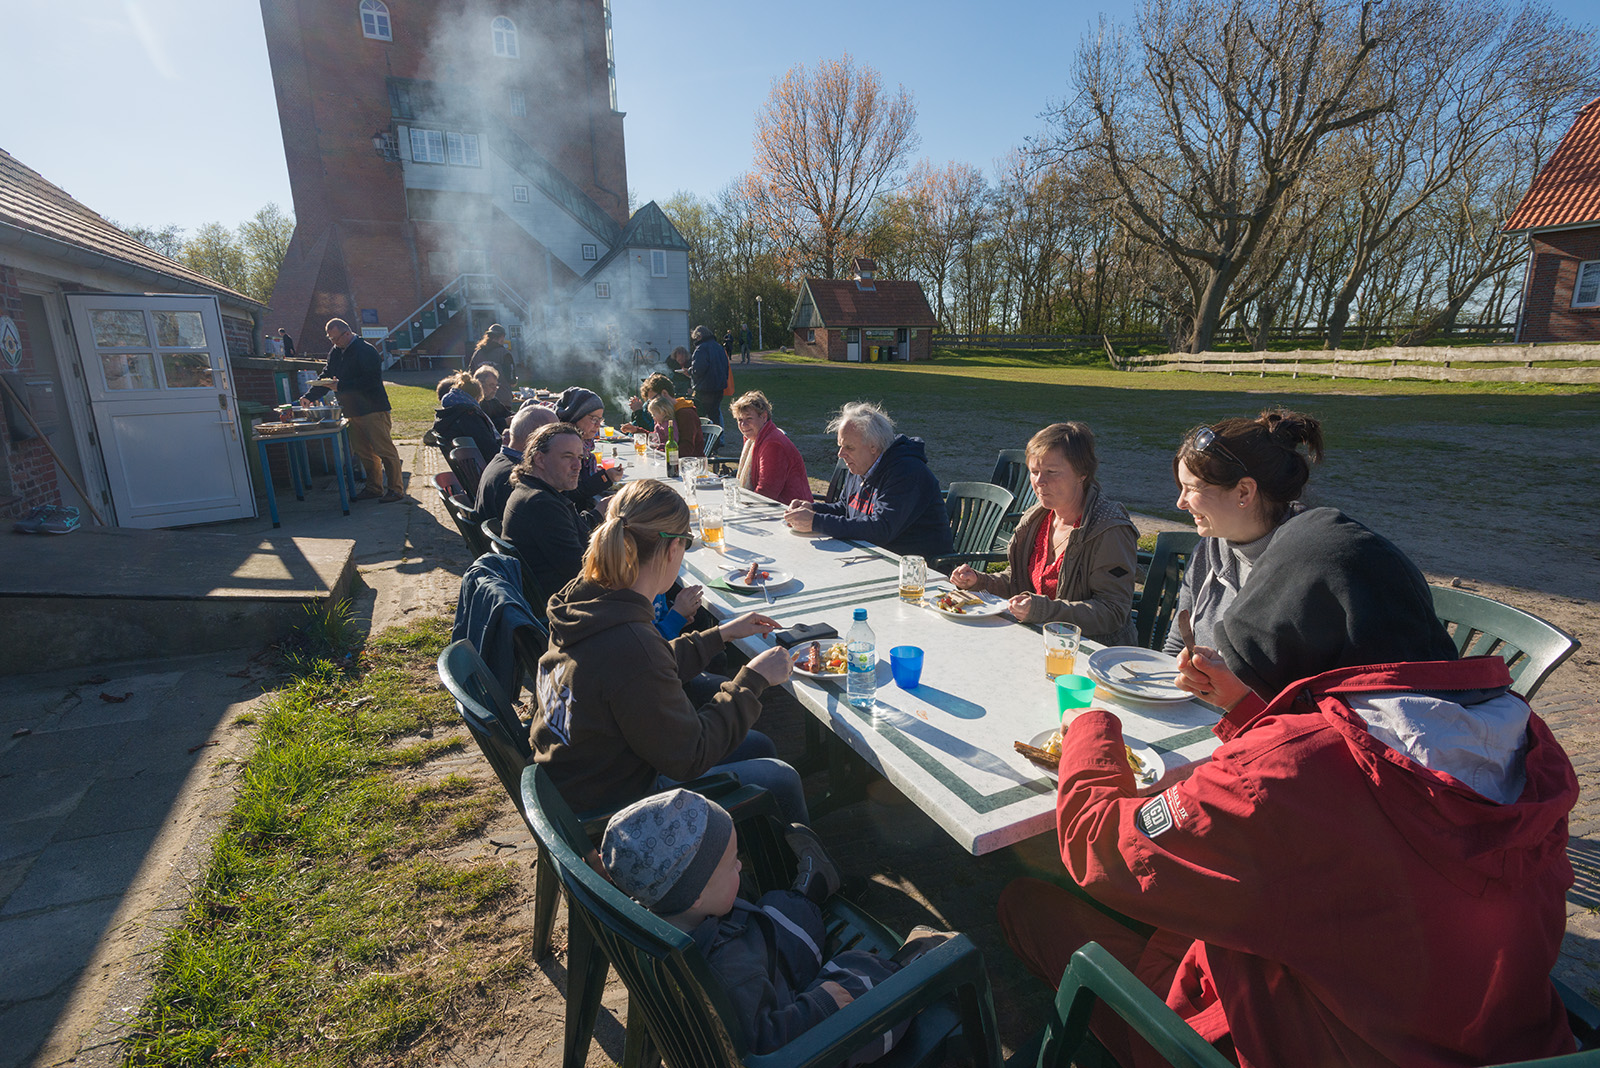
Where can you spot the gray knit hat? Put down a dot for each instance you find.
(577, 402)
(663, 850)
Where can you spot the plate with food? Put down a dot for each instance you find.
(818, 661)
(1142, 674)
(752, 578)
(1045, 751)
(964, 604)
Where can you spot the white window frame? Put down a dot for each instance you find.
(519, 103)
(658, 263)
(602, 290)
(461, 149)
(503, 35)
(519, 193)
(427, 146)
(811, 336)
(591, 252)
(375, 23)
(1591, 268)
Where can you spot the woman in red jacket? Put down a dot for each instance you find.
(769, 464)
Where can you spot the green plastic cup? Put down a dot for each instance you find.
(1073, 692)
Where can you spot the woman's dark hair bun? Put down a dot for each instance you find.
(1291, 429)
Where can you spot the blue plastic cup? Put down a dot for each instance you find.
(905, 662)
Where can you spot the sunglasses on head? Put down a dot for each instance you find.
(689, 538)
(1205, 440)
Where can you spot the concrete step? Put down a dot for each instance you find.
(107, 595)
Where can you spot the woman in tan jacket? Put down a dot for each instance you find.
(1074, 554)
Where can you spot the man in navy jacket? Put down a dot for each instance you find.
(890, 498)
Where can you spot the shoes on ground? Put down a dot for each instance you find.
(48, 519)
(391, 497)
(818, 876)
(371, 493)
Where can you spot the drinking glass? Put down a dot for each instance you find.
(691, 497)
(641, 442)
(1073, 692)
(730, 494)
(1060, 649)
(711, 528)
(913, 578)
(691, 467)
(905, 663)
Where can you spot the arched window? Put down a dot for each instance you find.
(375, 20)
(505, 37)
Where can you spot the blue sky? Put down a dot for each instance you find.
(161, 111)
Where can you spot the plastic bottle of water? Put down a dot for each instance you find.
(861, 662)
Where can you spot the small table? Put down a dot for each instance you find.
(947, 744)
(300, 462)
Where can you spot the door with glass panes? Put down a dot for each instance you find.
(164, 408)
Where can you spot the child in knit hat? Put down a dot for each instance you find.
(675, 853)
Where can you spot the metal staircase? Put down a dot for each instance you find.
(459, 294)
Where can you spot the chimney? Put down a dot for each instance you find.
(865, 269)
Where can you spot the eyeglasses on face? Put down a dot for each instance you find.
(688, 538)
(1205, 440)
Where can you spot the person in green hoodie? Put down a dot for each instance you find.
(614, 723)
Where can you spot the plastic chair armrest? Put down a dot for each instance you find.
(956, 967)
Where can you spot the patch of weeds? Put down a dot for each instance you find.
(326, 639)
(326, 931)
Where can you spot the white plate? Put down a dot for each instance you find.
(1143, 674)
(1151, 760)
(802, 650)
(991, 606)
(807, 533)
(734, 576)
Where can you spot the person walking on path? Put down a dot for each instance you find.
(744, 342)
(356, 369)
(708, 373)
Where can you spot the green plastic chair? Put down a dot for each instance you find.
(836, 482)
(1531, 647)
(676, 1005)
(1153, 609)
(1093, 974)
(467, 522)
(1011, 473)
(975, 509)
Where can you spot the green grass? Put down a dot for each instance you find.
(327, 931)
(411, 409)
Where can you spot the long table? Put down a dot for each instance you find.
(947, 744)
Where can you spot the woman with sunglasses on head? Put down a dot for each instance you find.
(1240, 480)
(614, 723)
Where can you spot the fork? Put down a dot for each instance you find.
(763, 580)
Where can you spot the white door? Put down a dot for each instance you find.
(852, 345)
(157, 373)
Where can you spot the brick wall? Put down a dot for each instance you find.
(1548, 314)
(240, 336)
(831, 345)
(28, 472)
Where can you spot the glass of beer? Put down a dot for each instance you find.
(913, 578)
(1060, 649)
(691, 498)
(711, 530)
(641, 442)
(730, 495)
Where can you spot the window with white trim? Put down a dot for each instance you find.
(504, 32)
(519, 193)
(461, 149)
(591, 252)
(1586, 294)
(427, 146)
(375, 20)
(811, 336)
(658, 263)
(519, 103)
(602, 290)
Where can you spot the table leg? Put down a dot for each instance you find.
(848, 778)
(349, 467)
(266, 477)
(296, 455)
(338, 474)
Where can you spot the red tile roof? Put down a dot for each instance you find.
(841, 303)
(33, 205)
(1566, 191)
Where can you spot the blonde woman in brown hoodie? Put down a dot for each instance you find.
(614, 723)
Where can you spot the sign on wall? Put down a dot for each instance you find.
(10, 341)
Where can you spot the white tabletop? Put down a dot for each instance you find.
(947, 744)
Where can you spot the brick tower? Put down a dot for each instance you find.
(453, 164)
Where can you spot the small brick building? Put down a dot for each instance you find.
(1561, 216)
(863, 319)
(118, 371)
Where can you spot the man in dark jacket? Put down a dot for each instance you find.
(494, 485)
(890, 498)
(708, 372)
(357, 371)
(539, 520)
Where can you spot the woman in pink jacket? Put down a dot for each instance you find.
(770, 464)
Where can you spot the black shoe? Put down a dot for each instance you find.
(818, 876)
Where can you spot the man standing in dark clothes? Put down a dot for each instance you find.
(288, 343)
(708, 372)
(744, 343)
(357, 372)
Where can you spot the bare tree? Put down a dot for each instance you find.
(827, 143)
(167, 240)
(1209, 114)
(944, 209)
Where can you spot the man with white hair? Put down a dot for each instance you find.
(494, 485)
(890, 498)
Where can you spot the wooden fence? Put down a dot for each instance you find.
(1466, 333)
(1496, 363)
